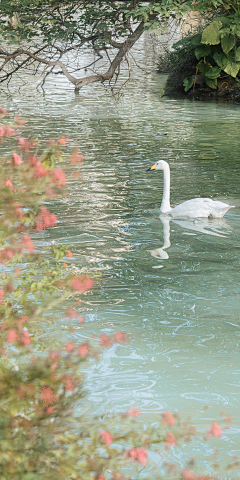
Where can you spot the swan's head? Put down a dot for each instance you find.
(160, 165)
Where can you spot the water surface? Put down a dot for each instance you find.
(181, 313)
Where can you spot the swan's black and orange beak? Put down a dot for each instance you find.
(153, 167)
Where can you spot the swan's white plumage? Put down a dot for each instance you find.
(195, 208)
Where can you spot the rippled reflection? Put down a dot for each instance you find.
(218, 227)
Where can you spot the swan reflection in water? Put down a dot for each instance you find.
(201, 225)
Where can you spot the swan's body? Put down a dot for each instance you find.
(195, 208)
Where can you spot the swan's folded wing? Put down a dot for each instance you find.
(200, 207)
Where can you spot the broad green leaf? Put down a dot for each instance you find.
(211, 82)
(202, 51)
(211, 34)
(203, 67)
(196, 39)
(227, 43)
(232, 68)
(221, 59)
(225, 20)
(213, 72)
(238, 54)
(187, 83)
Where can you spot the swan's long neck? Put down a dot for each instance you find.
(165, 205)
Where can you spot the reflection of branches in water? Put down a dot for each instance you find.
(121, 90)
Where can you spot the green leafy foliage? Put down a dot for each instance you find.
(187, 83)
(238, 54)
(203, 67)
(211, 82)
(227, 43)
(211, 34)
(218, 49)
(202, 51)
(221, 59)
(213, 72)
(232, 68)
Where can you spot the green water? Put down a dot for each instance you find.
(181, 313)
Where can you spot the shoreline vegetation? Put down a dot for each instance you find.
(207, 63)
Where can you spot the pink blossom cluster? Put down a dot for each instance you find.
(17, 160)
(215, 430)
(106, 437)
(138, 454)
(82, 283)
(58, 177)
(168, 419)
(45, 219)
(47, 396)
(76, 157)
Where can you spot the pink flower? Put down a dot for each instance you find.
(59, 177)
(76, 157)
(6, 254)
(16, 159)
(69, 385)
(19, 212)
(10, 131)
(3, 326)
(47, 396)
(28, 243)
(134, 412)
(83, 350)
(62, 141)
(2, 131)
(54, 365)
(50, 409)
(106, 437)
(69, 254)
(105, 341)
(54, 354)
(3, 110)
(2, 293)
(120, 337)
(70, 347)
(26, 338)
(19, 121)
(72, 313)
(215, 430)
(12, 336)
(81, 320)
(45, 219)
(188, 475)
(25, 144)
(170, 440)
(168, 419)
(138, 454)
(39, 169)
(8, 183)
(82, 284)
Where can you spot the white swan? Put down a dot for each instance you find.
(195, 208)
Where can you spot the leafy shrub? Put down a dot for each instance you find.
(217, 50)
(180, 51)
